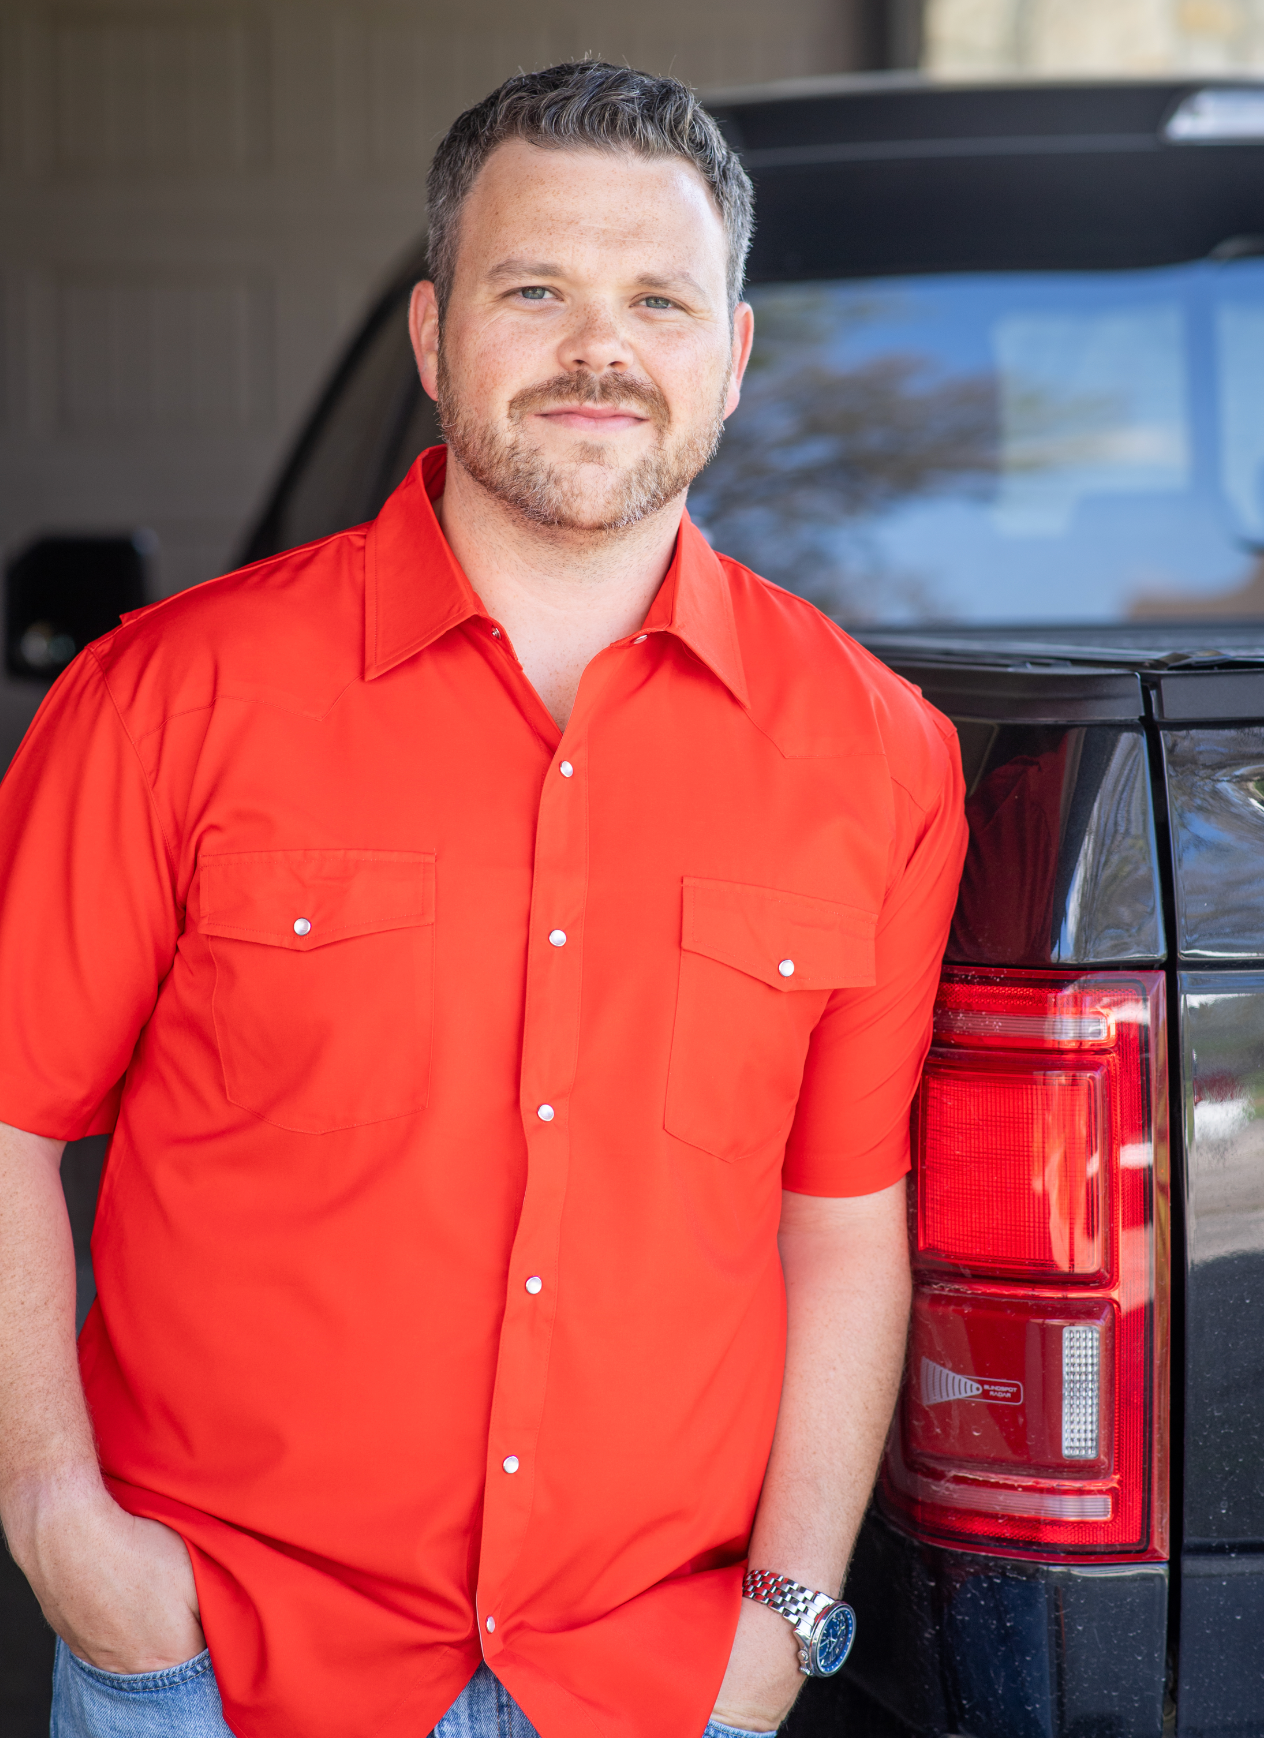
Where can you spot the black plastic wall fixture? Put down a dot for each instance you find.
(62, 592)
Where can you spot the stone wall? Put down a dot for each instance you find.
(990, 38)
(197, 196)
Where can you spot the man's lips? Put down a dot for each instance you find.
(592, 418)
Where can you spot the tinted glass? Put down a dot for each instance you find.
(1003, 447)
(1215, 793)
(1222, 1032)
(1062, 867)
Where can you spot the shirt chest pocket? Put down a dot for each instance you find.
(756, 970)
(324, 978)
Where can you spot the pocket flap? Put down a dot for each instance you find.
(261, 895)
(786, 940)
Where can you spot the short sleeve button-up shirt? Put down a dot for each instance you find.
(455, 1065)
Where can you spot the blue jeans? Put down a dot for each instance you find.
(183, 1702)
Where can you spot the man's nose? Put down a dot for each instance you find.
(596, 342)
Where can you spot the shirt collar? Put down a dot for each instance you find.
(415, 590)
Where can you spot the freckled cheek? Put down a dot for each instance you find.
(498, 363)
(690, 379)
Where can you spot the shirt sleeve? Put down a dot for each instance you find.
(88, 915)
(851, 1128)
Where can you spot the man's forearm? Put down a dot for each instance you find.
(847, 1292)
(118, 1589)
(847, 1296)
(45, 1432)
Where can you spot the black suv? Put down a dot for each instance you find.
(1005, 421)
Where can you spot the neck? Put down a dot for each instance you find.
(561, 595)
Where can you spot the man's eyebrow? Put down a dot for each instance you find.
(525, 268)
(674, 281)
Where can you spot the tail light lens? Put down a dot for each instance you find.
(1033, 1415)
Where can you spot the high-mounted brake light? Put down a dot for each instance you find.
(1034, 1412)
(1217, 115)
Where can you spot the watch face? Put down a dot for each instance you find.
(832, 1642)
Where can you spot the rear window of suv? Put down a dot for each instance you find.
(1003, 447)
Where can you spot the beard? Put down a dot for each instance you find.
(510, 465)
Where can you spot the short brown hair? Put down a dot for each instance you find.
(590, 104)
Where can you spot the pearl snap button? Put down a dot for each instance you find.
(491, 1626)
(566, 769)
(638, 639)
(510, 1463)
(546, 1113)
(301, 926)
(558, 937)
(535, 1285)
(786, 968)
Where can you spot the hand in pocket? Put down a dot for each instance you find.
(117, 1589)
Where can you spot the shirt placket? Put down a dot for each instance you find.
(550, 1049)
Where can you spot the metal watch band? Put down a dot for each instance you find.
(790, 1599)
(824, 1625)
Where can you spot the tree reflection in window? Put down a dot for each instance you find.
(825, 442)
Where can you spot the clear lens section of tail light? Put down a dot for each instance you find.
(1033, 1416)
(1081, 1390)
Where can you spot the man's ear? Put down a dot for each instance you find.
(743, 338)
(423, 329)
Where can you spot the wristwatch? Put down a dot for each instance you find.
(825, 1626)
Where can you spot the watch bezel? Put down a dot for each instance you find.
(813, 1662)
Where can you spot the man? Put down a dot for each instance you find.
(494, 935)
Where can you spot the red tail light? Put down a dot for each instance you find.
(1033, 1416)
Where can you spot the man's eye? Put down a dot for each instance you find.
(657, 302)
(534, 293)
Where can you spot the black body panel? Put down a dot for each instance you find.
(1220, 1685)
(887, 218)
(1226, 694)
(995, 1648)
(1039, 696)
(930, 187)
(898, 117)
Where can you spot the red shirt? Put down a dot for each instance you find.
(455, 1066)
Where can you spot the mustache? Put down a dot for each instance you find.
(622, 392)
